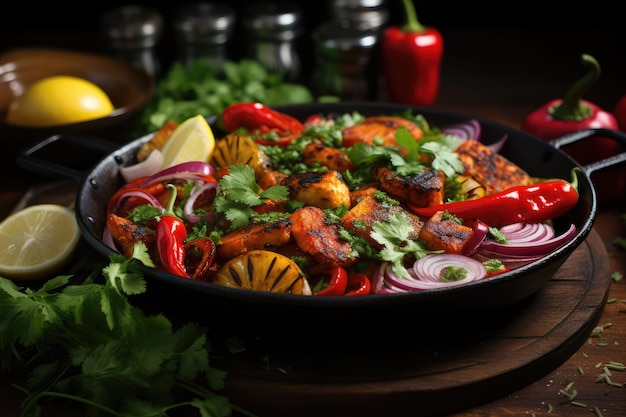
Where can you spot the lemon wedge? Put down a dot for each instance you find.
(192, 140)
(37, 241)
(59, 100)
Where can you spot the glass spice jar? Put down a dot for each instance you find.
(203, 31)
(343, 62)
(132, 34)
(273, 29)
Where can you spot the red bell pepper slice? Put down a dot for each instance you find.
(334, 282)
(358, 284)
(259, 120)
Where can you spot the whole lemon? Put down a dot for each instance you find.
(59, 100)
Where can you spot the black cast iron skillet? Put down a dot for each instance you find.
(269, 313)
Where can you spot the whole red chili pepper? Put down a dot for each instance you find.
(412, 57)
(335, 284)
(262, 119)
(170, 239)
(560, 117)
(525, 203)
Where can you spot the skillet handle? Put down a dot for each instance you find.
(612, 161)
(64, 156)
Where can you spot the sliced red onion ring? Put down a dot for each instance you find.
(497, 146)
(529, 249)
(194, 171)
(480, 230)
(149, 166)
(193, 197)
(135, 192)
(527, 232)
(467, 130)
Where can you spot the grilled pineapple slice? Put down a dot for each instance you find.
(239, 149)
(262, 270)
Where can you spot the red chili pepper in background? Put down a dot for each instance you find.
(560, 117)
(527, 203)
(260, 118)
(358, 284)
(412, 57)
(333, 283)
(170, 239)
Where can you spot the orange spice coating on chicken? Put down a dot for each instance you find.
(125, 234)
(446, 235)
(319, 238)
(421, 190)
(254, 236)
(489, 168)
(320, 189)
(369, 210)
(327, 156)
(379, 127)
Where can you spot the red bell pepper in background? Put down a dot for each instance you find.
(358, 284)
(412, 57)
(572, 113)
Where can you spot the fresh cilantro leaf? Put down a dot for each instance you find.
(445, 159)
(394, 236)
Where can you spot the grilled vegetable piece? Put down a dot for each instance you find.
(157, 141)
(421, 190)
(261, 270)
(327, 156)
(369, 210)
(319, 238)
(491, 169)
(125, 234)
(382, 128)
(254, 236)
(239, 149)
(320, 189)
(445, 234)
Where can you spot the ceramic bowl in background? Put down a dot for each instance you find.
(130, 89)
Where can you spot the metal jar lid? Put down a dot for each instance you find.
(210, 23)
(365, 14)
(341, 41)
(273, 21)
(132, 27)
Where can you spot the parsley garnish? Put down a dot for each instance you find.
(87, 343)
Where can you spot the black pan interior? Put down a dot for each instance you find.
(217, 304)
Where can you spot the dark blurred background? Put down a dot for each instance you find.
(527, 39)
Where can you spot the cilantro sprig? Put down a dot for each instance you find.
(87, 343)
(239, 193)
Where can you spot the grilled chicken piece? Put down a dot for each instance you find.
(369, 210)
(446, 235)
(320, 189)
(271, 178)
(125, 234)
(319, 238)
(422, 190)
(379, 127)
(254, 236)
(489, 168)
(364, 191)
(327, 156)
(157, 141)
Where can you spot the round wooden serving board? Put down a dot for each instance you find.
(440, 371)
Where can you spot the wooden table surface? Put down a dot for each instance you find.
(503, 76)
